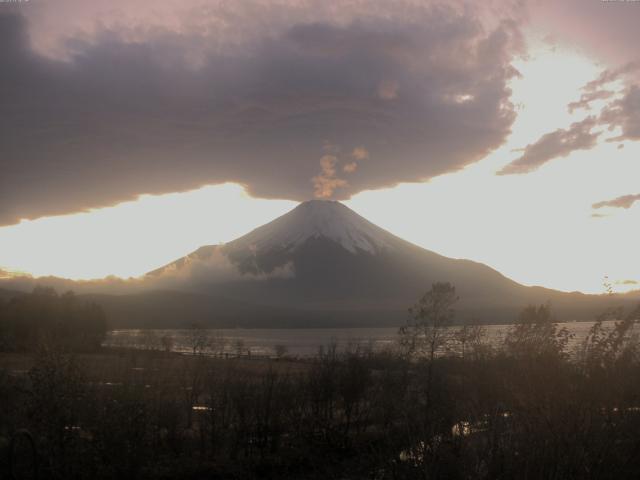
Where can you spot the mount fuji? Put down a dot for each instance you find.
(323, 264)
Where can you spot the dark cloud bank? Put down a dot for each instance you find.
(422, 95)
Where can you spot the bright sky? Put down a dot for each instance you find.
(537, 228)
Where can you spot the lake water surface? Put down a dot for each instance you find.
(301, 342)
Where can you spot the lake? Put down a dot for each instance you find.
(299, 342)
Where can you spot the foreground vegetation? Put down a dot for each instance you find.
(43, 317)
(445, 406)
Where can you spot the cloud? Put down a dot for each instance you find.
(388, 90)
(625, 201)
(109, 285)
(327, 182)
(360, 153)
(587, 98)
(559, 143)
(195, 272)
(622, 110)
(625, 114)
(214, 268)
(350, 167)
(98, 110)
(605, 30)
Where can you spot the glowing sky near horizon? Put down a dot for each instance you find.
(537, 228)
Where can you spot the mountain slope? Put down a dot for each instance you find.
(323, 257)
(335, 256)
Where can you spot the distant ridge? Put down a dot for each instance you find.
(341, 264)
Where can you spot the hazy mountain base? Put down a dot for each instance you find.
(179, 309)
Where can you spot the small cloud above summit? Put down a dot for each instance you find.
(360, 153)
(388, 90)
(350, 167)
(327, 182)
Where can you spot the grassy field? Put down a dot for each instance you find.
(113, 365)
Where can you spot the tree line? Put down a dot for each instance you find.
(525, 408)
(44, 317)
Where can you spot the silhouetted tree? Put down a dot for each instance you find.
(198, 338)
(426, 329)
(536, 334)
(45, 318)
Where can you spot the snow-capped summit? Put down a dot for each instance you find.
(318, 219)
